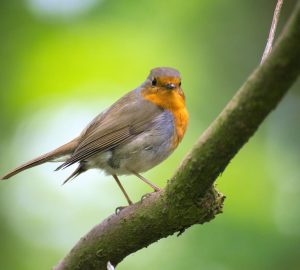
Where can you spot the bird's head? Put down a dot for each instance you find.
(163, 87)
(164, 79)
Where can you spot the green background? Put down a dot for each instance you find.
(63, 62)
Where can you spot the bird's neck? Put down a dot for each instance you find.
(174, 101)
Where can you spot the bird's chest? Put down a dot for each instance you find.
(174, 103)
(180, 116)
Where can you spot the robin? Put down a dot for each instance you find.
(135, 134)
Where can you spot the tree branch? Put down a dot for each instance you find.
(189, 197)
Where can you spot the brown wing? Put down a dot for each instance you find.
(124, 120)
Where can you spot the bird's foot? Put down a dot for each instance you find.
(119, 209)
(156, 189)
(147, 195)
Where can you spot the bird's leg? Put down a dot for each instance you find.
(122, 188)
(156, 188)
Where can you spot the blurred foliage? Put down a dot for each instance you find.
(62, 62)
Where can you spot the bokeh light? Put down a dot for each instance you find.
(60, 8)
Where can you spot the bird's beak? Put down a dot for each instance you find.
(170, 86)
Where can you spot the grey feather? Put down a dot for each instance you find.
(125, 119)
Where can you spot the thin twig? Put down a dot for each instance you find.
(269, 45)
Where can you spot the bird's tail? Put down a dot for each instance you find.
(64, 150)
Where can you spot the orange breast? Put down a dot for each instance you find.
(173, 101)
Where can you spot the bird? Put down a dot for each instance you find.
(133, 135)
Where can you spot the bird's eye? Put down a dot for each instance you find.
(154, 82)
(180, 84)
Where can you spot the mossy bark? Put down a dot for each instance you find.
(136, 227)
(189, 197)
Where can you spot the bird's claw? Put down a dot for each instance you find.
(119, 209)
(147, 195)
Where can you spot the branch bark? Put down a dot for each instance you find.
(189, 197)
